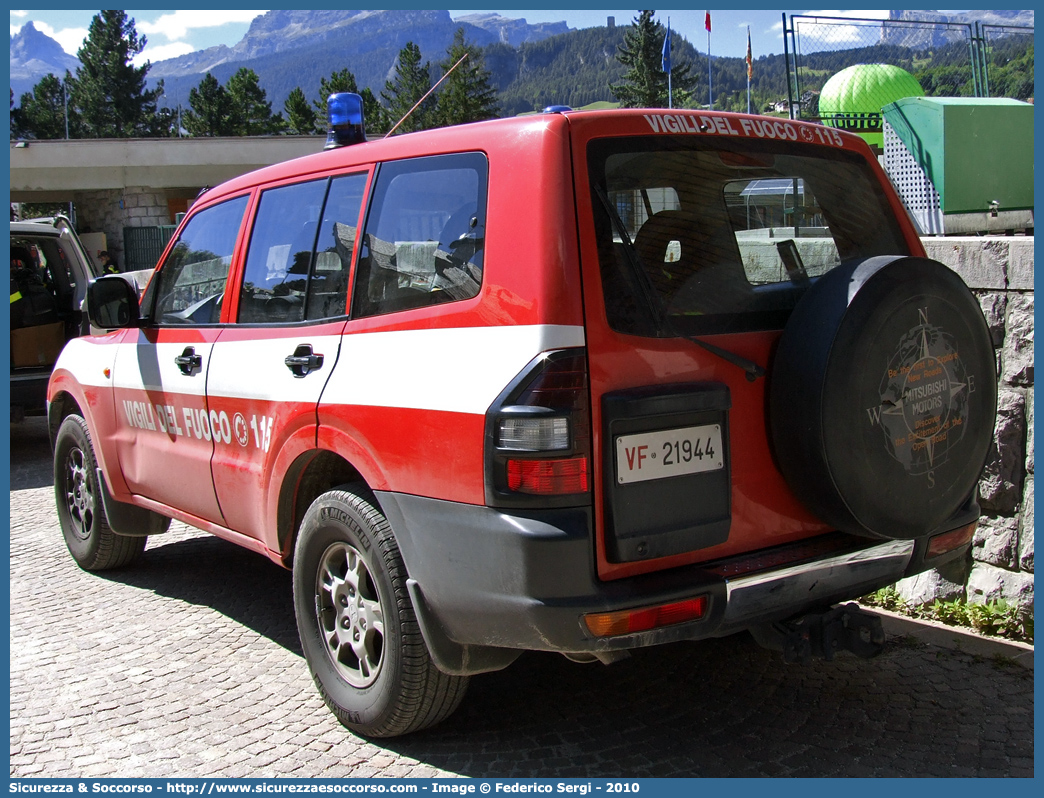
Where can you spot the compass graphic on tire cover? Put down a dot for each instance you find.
(924, 398)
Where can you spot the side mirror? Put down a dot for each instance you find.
(112, 303)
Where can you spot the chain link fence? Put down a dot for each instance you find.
(948, 59)
(1007, 58)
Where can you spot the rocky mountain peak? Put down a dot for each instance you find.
(29, 44)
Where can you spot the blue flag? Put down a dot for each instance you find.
(665, 63)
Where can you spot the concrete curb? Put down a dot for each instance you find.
(953, 637)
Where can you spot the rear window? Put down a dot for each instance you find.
(714, 235)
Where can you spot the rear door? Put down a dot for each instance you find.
(688, 225)
(165, 432)
(270, 366)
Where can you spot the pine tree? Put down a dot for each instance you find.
(167, 123)
(211, 113)
(251, 113)
(645, 82)
(300, 118)
(374, 114)
(412, 81)
(41, 114)
(467, 94)
(108, 92)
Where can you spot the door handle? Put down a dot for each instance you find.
(302, 362)
(189, 362)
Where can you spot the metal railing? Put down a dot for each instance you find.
(142, 246)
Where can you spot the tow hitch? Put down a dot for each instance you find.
(822, 634)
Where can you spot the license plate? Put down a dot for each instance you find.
(668, 453)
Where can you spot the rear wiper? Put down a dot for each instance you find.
(654, 303)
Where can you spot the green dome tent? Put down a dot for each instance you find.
(853, 98)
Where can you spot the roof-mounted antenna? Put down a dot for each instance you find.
(426, 94)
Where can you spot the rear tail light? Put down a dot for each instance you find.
(607, 624)
(548, 477)
(538, 437)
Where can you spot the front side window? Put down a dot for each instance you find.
(190, 285)
(424, 238)
(724, 235)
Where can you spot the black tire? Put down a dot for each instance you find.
(882, 398)
(357, 624)
(91, 542)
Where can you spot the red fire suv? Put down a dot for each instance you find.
(578, 382)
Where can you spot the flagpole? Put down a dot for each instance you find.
(710, 90)
(667, 50)
(750, 65)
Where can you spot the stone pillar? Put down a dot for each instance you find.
(110, 210)
(999, 270)
(100, 212)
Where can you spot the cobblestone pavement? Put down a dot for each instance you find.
(188, 665)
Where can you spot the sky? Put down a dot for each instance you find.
(174, 33)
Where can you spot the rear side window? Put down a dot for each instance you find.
(191, 283)
(285, 279)
(704, 236)
(425, 234)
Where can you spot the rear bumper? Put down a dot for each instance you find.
(487, 578)
(784, 591)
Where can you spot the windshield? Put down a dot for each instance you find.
(715, 235)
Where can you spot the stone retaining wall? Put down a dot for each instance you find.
(999, 270)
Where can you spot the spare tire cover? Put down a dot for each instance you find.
(883, 396)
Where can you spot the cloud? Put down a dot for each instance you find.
(178, 24)
(20, 14)
(162, 52)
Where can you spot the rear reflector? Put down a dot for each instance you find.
(606, 624)
(548, 477)
(948, 541)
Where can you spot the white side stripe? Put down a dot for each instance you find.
(256, 370)
(457, 370)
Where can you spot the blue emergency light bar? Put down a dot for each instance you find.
(345, 114)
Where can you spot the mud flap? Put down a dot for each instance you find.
(126, 519)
